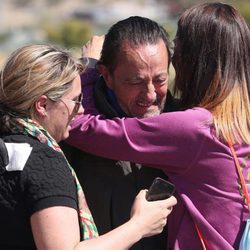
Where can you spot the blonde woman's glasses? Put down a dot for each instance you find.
(78, 102)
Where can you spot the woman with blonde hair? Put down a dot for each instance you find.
(193, 146)
(42, 204)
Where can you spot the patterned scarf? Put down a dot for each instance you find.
(88, 227)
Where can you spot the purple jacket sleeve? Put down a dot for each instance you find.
(170, 139)
(88, 79)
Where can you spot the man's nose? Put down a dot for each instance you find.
(150, 92)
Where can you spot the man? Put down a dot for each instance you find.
(134, 68)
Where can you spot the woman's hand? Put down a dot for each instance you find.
(151, 216)
(92, 49)
(147, 218)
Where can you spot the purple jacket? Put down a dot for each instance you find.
(201, 166)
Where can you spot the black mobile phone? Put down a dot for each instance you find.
(160, 189)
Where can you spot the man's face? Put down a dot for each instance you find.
(140, 79)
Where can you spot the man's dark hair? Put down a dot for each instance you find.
(136, 31)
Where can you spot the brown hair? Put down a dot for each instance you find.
(211, 58)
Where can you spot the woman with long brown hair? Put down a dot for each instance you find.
(212, 63)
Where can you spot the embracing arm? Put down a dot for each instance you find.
(57, 228)
(170, 139)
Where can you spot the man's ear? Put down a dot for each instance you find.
(107, 76)
(41, 105)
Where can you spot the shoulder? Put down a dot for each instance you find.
(196, 121)
(42, 172)
(188, 117)
(192, 125)
(22, 148)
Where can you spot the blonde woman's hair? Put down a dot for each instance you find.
(32, 71)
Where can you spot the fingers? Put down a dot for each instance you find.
(165, 206)
(172, 201)
(93, 48)
(169, 202)
(151, 216)
(142, 193)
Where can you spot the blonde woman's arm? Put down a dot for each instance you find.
(57, 228)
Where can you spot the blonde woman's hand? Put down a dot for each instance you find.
(151, 216)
